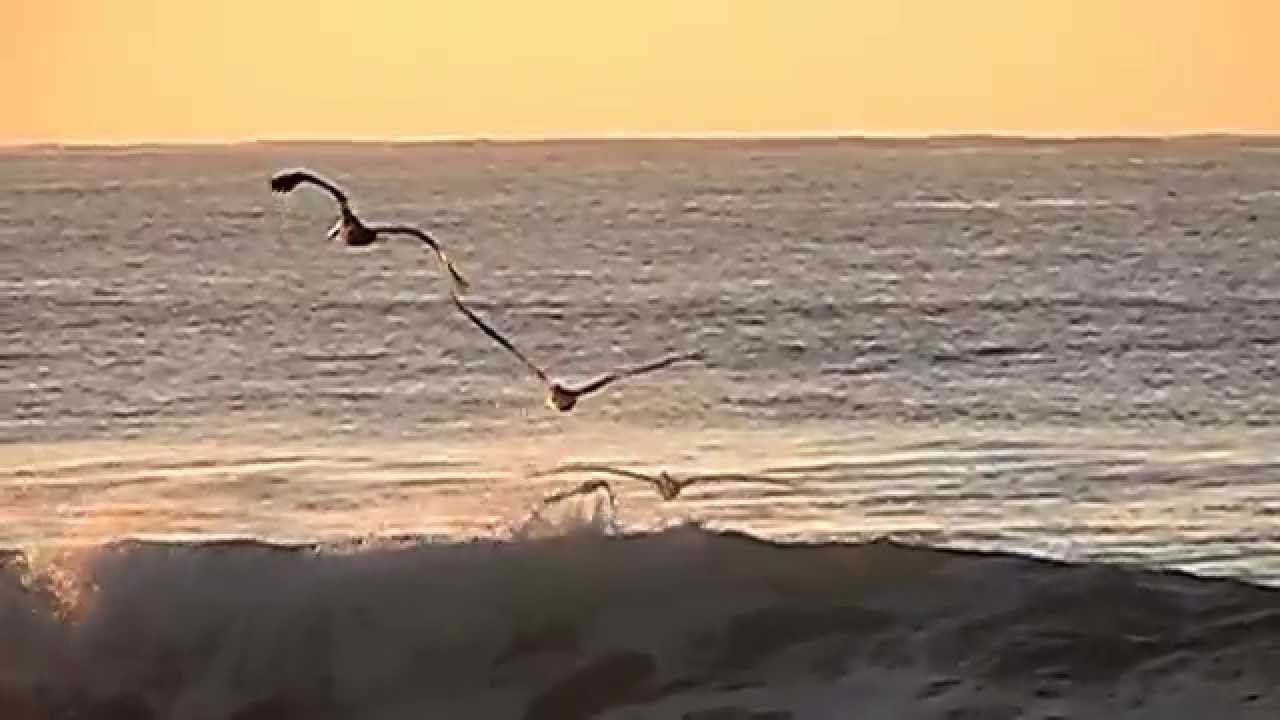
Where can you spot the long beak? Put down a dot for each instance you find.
(337, 228)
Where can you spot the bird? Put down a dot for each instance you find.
(668, 486)
(351, 229)
(561, 397)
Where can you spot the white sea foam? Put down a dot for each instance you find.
(585, 625)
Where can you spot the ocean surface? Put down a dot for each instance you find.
(1065, 350)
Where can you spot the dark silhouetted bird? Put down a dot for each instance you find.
(351, 229)
(667, 485)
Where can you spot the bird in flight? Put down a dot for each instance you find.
(561, 397)
(350, 228)
(667, 485)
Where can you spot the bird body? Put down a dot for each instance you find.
(351, 231)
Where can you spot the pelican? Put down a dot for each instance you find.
(560, 397)
(667, 485)
(350, 228)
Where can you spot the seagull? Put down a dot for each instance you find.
(350, 228)
(560, 397)
(667, 485)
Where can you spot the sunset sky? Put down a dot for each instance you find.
(172, 70)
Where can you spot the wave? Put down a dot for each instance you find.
(1042, 202)
(685, 622)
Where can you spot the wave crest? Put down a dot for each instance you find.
(670, 624)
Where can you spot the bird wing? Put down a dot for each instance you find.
(739, 477)
(286, 180)
(589, 467)
(584, 488)
(596, 384)
(608, 378)
(462, 307)
(459, 280)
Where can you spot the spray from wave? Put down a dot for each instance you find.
(567, 619)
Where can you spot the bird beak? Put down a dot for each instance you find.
(337, 228)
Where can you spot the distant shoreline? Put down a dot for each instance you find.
(906, 140)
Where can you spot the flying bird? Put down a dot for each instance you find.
(667, 485)
(350, 228)
(561, 397)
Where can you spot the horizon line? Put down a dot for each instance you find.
(514, 139)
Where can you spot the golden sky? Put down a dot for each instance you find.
(127, 70)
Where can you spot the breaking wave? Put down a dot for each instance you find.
(589, 623)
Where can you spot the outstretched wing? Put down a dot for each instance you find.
(286, 180)
(462, 307)
(738, 478)
(589, 467)
(459, 280)
(666, 485)
(596, 384)
(585, 488)
(608, 378)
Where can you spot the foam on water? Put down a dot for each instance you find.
(1203, 503)
(584, 625)
(991, 362)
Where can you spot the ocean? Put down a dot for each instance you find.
(246, 471)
